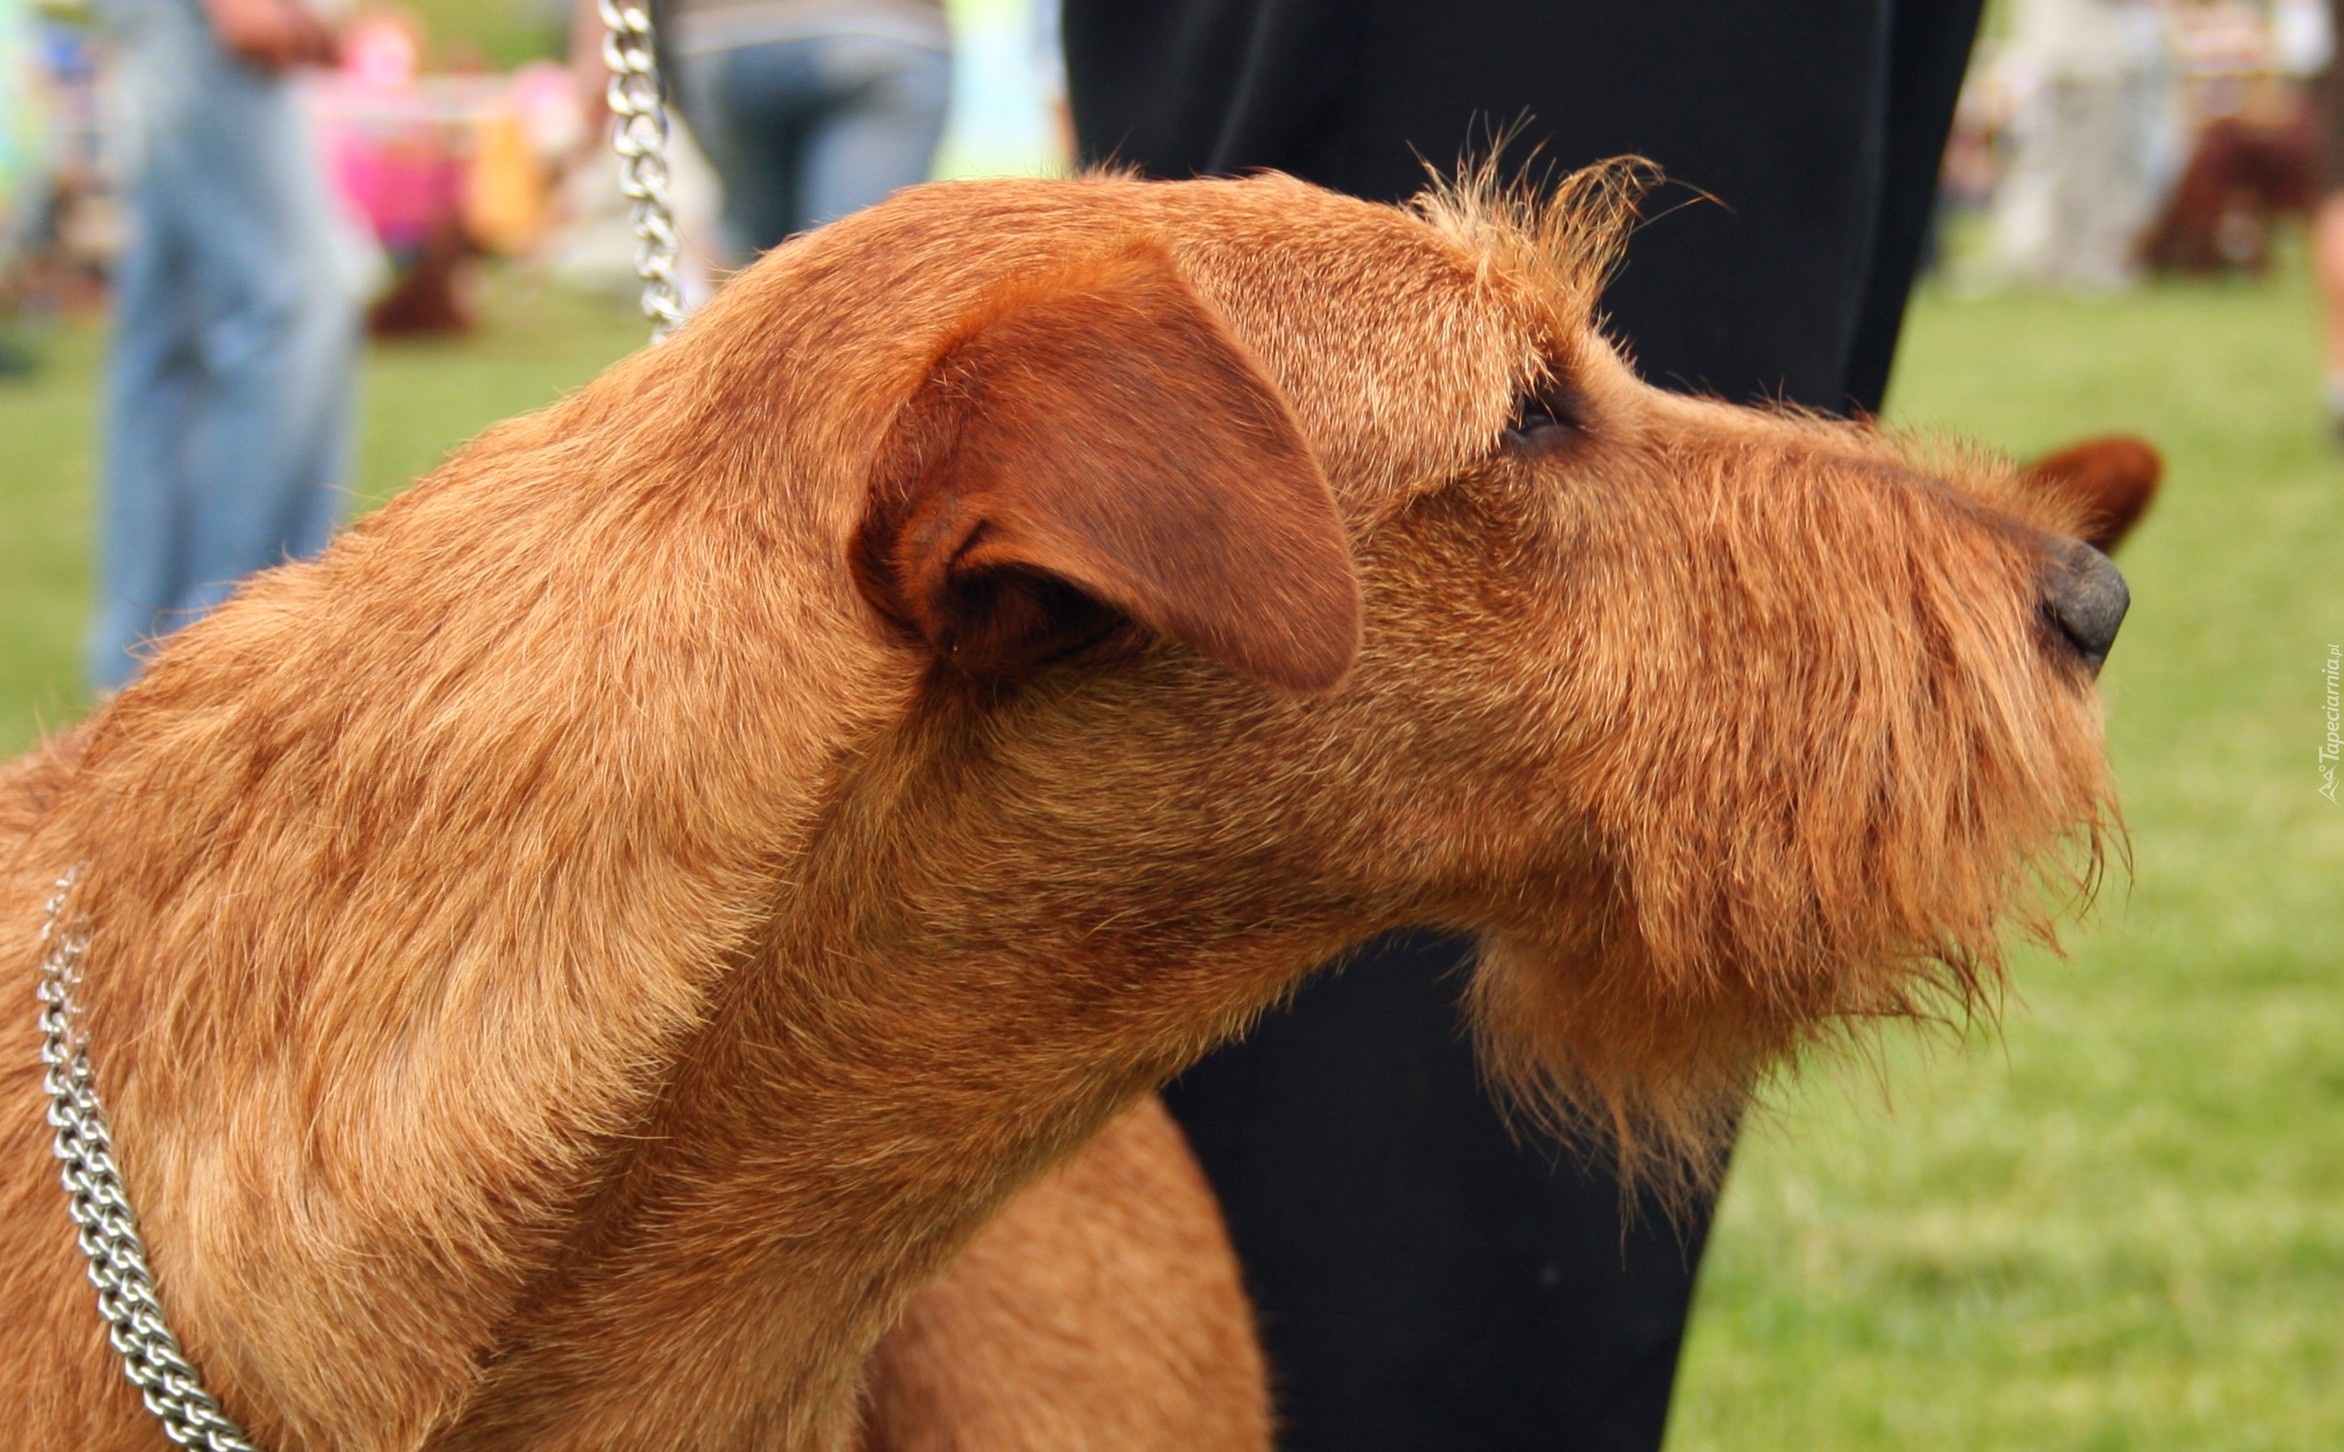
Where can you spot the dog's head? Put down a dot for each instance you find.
(1276, 558)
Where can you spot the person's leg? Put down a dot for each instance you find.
(230, 385)
(280, 332)
(1929, 54)
(1768, 120)
(1425, 1281)
(153, 365)
(884, 102)
(280, 338)
(152, 375)
(748, 107)
(1428, 1278)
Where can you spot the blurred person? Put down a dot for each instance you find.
(807, 109)
(1428, 1279)
(233, 362)
(2095, 142)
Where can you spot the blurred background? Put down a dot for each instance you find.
(2119, 1222)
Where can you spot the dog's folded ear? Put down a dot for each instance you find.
(2113, 478)
(1094, 447)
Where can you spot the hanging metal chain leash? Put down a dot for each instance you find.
(173, 1391)
(639, 135)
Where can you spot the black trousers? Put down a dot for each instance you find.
(1426, 1280)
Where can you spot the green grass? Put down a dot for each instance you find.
(47, 454)
(497, 33)
(2120, 1224)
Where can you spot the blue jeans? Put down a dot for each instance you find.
(806, 130)
(236, 334)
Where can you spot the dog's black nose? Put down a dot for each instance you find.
(2086, 598)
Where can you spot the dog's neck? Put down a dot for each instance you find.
(928, 1022)
(932, 1009)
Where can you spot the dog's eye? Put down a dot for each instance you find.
(1544, 416)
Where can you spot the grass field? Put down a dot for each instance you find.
(2119, 1224)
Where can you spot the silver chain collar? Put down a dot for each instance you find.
(108, 1232)
(639, 136)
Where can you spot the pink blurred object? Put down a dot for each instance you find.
(406, 186)
(439, 167)
(397, 141)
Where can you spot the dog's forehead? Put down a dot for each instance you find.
(1398, 350)
(1397, 346)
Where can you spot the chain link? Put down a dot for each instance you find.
(107, 1231)
(639, 135)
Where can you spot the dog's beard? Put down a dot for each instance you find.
(1819, 775)
(1641, 1011)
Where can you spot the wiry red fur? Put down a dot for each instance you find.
(572, 961)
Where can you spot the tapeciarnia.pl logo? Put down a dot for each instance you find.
(2335, 712)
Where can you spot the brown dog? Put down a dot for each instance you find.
(571, 962)
(2242, 178)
